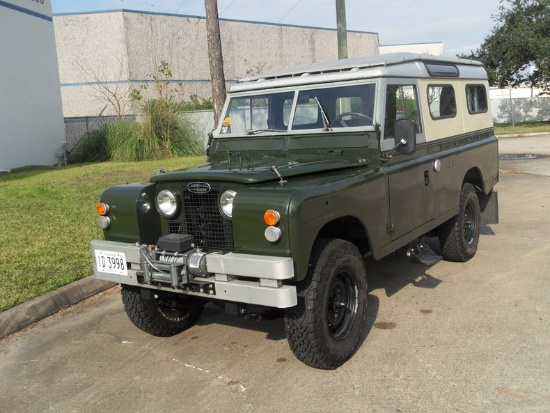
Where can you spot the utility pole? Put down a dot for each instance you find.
(215, 57)
(342, 29)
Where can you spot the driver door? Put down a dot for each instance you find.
(410, 192)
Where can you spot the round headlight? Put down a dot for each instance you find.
(226, 202)
(167, 203)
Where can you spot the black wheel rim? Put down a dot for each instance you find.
(342, 305)
(470, 224)
(170, 310)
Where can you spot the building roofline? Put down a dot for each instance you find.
(187, 16)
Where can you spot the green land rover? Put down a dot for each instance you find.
(311, 169)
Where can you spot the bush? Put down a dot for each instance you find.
(92, 149)
(127, 142)
(162, 133)
(197, 102)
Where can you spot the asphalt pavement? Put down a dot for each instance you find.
(461, 337)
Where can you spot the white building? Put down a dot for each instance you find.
(31, 118)
(434, 49)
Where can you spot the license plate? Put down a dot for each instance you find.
(111, 262)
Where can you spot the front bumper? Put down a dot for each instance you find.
(241, 278)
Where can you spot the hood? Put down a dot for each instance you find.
(256, 159)
(241, 168)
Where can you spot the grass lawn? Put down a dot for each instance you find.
(521, 128)
(48, 219)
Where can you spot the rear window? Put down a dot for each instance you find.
(442, 101)
(476, 96)
(442, 70)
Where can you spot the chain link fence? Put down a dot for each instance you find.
(78, 129)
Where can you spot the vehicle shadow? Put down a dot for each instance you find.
(269, 322)
(391, 274)
(395, 272)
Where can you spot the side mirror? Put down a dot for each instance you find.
(405, 136)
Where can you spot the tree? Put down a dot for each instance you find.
(215, 57)
(518, 49)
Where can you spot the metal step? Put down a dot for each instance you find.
(421, 253)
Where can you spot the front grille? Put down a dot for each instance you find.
(202, 219)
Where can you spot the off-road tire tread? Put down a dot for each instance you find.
(147, 316)
(451, 237)
(306, 339)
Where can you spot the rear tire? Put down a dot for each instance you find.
(326, 326)
(459, 236)
(164, 316)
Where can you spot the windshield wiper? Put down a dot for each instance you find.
(255, 131)
(276, 172)
(326, 122)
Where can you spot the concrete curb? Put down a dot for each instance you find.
(38, 308)
(523, 135)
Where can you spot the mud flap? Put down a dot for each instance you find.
(488, 205)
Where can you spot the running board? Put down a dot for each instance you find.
(421, 253)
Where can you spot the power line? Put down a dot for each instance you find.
(179, 7)
(230, 4)
(288, 12)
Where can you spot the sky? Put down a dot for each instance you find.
(461, 25)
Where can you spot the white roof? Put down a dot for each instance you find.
(384, 65)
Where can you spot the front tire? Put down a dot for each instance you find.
(459, 236)
(164, 316)
(326, 326)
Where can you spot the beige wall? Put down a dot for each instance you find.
(108, 54)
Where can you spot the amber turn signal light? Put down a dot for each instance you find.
(271, 217)
(102, 209)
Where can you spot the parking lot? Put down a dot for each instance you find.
(460, 337)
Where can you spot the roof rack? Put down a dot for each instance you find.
(355, 64)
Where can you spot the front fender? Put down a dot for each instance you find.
(133, 215)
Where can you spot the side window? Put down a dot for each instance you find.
(442, 102)
(401, 103)
(476, 96)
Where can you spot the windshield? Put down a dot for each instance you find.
(261, 112)
(318, 109)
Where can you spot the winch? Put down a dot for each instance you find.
(177, 262)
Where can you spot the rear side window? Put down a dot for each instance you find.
(442, 101)
(476, 96)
